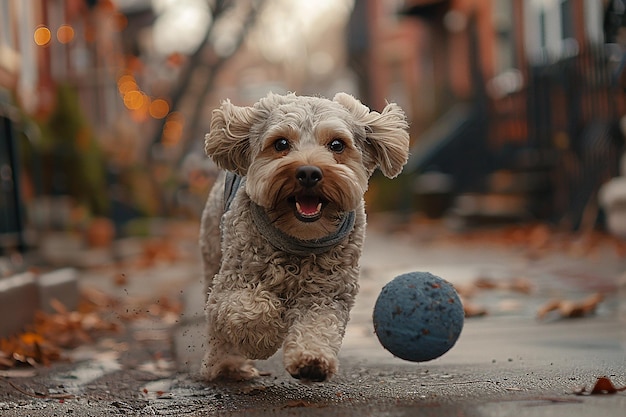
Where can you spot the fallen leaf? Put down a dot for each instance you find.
(485, 283)
(5, 362)
(98, 313)
(156, 251)
(571, 309)
(31, 338)
(58, 306)
(472, 309)
(603, 386)
(521, 285)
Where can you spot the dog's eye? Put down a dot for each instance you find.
(336, 146)
(281, 144)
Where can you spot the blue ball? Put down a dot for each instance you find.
(418, 316)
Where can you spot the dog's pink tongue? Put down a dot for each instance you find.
(308, 206)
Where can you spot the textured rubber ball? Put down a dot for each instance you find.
(418, 316)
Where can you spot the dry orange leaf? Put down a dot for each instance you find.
(31, 338)
(521, 285)
(98, 314)
(571, 309)
(603, 386)
(472, 309)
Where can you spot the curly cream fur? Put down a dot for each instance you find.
(260, 298)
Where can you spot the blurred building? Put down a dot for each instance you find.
(62, 41)
(130, 83)
(58, 69)
(515, 105)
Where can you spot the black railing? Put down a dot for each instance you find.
(11, 214)
(572, 115)
(558, 131)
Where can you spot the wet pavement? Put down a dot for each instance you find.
(505, 363)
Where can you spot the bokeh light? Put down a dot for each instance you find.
(159, 108)
(133, 100)
(173, 129)
(65, 33)
(141, 113)
(42, 36)
(126, 83)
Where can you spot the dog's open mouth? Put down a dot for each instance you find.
(308, 207)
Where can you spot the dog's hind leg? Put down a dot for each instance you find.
(210, 234)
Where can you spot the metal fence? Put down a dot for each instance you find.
(11, 214)
(557, 134)
(566, 116)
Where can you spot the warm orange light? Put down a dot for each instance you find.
(133, 100)
(126, 83)
(159, 108)
(42, 36)
(173, 129)
(141, 114)
(65, 33)
(125, 75)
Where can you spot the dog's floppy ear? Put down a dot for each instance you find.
(228, 141)
(386, 135)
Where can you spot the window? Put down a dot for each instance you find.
(550, 31)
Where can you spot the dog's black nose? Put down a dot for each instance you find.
(308, 175)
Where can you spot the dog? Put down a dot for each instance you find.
(283, 227)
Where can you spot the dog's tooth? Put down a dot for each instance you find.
(318, 209)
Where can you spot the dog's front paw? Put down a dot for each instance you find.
(312, 369)
(233, 368)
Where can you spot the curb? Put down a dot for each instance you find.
(22, 295)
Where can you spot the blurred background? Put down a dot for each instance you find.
(516, 106)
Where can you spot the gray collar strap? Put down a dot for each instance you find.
(290, 244)
(281, 240)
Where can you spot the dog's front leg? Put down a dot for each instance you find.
(243, 324)
(222, 361)
(310, 349)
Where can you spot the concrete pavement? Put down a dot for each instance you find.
(506, 363)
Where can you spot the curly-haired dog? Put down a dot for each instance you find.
(281, 245)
